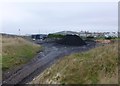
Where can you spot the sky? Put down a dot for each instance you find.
(50, 17)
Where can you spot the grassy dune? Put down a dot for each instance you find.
(17, 51)
(97, 66)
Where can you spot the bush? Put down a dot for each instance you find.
(109, 37)
(55, 36)
(90, 37)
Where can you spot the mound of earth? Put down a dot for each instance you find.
(72, 40)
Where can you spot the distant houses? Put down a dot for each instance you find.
(87, 33)
(98, 34)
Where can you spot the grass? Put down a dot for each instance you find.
(17, 51)
(97, 66)
(55, 36)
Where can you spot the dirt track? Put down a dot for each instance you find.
(43, 60)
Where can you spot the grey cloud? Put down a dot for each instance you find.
(51, 17)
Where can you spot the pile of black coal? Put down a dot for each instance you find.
(72, 40)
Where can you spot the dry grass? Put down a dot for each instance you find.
(16, 51)
(0, 60)
(97, 66)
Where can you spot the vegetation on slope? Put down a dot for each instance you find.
(97, 66)
(55, 36)
(17, 51)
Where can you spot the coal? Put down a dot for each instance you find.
(72, 40)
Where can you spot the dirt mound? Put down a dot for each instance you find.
(72, 40)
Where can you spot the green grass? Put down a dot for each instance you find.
(17, 51)
(97, 66)
(55, 36)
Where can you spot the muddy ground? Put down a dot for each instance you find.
(44, 59)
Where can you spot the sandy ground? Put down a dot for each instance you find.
(43, 60)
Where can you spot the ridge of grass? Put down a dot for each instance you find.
(97, 66)
(17, 51)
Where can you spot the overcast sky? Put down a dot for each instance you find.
(47, 17)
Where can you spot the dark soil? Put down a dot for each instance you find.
(72, 40)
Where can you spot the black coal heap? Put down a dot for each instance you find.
(72, 40)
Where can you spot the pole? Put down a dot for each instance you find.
(19, 32)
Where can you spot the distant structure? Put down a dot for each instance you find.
(38, 36)
(98, 34)
(80, 34)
